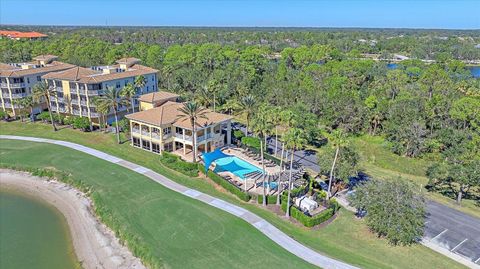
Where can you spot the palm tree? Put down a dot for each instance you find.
(140, 82)
(19, 104)
(103, 109)
(28, 102)
(294, 139)
(43, 91)
(261, 126)
(248, 104)
(338, 140)
(192, 111)
(128, 92)
(113, 100)
(275, 118)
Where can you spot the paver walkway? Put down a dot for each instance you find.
(262, 225)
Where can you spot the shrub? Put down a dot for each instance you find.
(271, 199)
(238, 134)
(81, 123)
(174, 162)
(228, 186)
(58, 118)
(44, 116)
(69, 120)
(252, 142)
(4, 115)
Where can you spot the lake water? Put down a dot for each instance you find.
(474, 70)
(33, 235)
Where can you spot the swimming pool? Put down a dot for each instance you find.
(235, 166)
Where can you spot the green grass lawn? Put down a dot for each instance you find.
(181, 232)
(347, 238)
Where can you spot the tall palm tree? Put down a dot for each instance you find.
(129, 92)
(294, 139)
(192, 111)
(42, 92)
(140, 82)
(260, 126)
(248, 105)
(338, 140)
(102, 108)
(113, 100)
(275, 119)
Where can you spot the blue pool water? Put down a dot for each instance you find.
(236, 166)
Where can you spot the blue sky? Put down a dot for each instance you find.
(449, 14)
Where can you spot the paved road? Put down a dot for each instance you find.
(262, 225)
(453, 230)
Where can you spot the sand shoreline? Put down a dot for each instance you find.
(95, 244)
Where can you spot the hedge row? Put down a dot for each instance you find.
(174, 162)
(308, 221)
(228, 186)
(271, 199)
(133, 242)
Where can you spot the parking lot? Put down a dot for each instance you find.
(450, 229)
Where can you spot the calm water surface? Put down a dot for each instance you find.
(33, 235)
(474, 70)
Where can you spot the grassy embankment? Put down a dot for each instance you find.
(378, 161)
(346, 238)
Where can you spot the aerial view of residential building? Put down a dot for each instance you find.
(76, 87)
(160, 127)
(18, 79)
(239, 134)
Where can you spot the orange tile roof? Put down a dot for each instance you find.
(17, 34)
(19, 72)
(157, 96)
(87, 75)
(169, 113)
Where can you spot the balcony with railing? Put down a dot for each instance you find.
(17, 85)
(136, 130)
(94, 114)
(156, 136)
(19, 95)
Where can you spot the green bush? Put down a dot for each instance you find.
(81, 123)
(228, 186)
(252, 142)
(271, 199)
(44, 116)
(58, 118)
(238, 134)
(174, 162)
(69, 120)
(3, 115)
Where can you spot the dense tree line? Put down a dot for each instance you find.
(430, 110)
(422, 44)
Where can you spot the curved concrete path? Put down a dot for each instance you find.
(262, 225)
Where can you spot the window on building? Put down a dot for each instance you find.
(155, 148)
(167, 130)
(118, 84)
(136, 142)
(178, 130)
(168, 147)
(28, 80)
(146, 144)
(39, 78)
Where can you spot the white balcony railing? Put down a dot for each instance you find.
(135, 130)
(167, 136)
(17, 85)
(6, 95)
(146, 133)
(94, 114)
(3, 84)
(155, 136)
(19, 95)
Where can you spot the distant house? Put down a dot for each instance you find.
(16, 35)
(161, 127)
